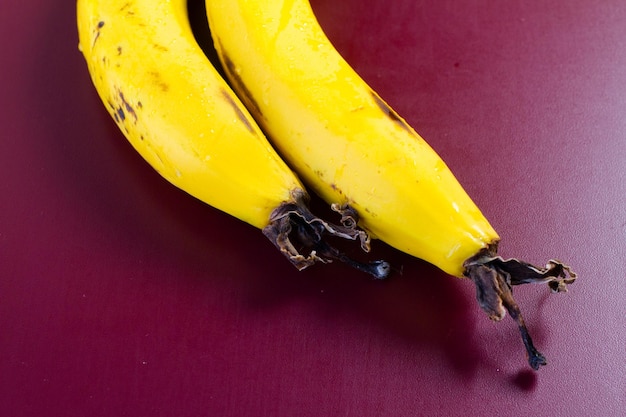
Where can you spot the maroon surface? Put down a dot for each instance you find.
(120, 295)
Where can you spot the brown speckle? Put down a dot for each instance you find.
(98, 27)
(240, 114)
(159, 81)
(239, 85)
(389, 112)
(127, 106)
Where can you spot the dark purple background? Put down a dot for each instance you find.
(122, 296)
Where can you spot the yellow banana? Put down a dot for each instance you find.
(350, 147)
(181, 116)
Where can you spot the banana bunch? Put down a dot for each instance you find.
(344, 141)
(354, 150)
(186, 122)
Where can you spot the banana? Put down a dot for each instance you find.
(353, 149)
(185, 121)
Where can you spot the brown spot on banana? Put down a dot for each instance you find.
(160, 48)
(319, 173)
(156, 76)
(240, 87)
(390, 113)
(240, 114)
(95, 38)
(129, 109)
(119, 115)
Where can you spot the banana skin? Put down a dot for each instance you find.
(353, 149)
(185, 121)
